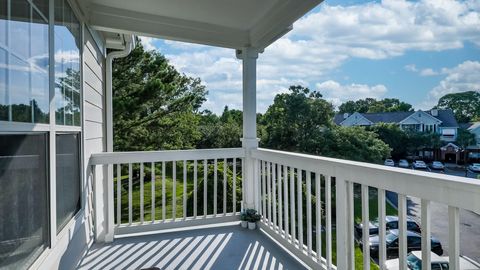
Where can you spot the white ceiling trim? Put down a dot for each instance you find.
(109, 19)
(274, 24)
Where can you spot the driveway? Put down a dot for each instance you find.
(469, 221)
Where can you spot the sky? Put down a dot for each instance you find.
(416, 51)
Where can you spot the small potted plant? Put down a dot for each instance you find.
(252, 217)
(243, 219)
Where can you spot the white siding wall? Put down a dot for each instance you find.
(94, 113)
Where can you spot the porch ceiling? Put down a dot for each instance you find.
(224, 23)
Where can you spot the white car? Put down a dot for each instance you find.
(403, 163)
(419, 164)
(475, 167)
(437, 165)
(414, 262)
(389, 162)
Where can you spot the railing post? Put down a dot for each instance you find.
(341, 217)
(249, 141)
(110, 217)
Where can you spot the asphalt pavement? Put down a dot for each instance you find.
(469, 221)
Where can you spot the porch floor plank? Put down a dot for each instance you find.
(226, 247)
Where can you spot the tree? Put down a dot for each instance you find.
(301, 121)
(392, 135)
(465, 138)
(154, 106)
(294, 120)
(465, 105)
(371, 105)
(220, 132)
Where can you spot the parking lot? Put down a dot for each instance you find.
(469, 221)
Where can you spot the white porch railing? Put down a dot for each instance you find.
(306, 202)
(288, 181)
(143, 196)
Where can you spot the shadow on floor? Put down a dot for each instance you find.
(228, 247)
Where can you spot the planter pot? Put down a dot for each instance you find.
(244, 224)
(252, 225)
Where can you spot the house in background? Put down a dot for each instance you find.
(473, 151)
(442, 122)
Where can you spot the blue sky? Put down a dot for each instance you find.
(416, 51)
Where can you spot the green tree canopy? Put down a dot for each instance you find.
(301, 121)
(154, 106)
(295, 118)
(392, 135)
(465, 138)
(371, 105)
(465, 105)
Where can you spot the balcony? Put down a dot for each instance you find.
(307, 205)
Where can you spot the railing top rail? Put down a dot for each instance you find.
(452, 190)
(169, 155)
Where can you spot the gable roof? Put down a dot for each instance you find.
(474, 126)
(446, 116)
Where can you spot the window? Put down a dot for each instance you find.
(24, 208)
(67, 65)
(67, 177)
(414, 241)
(24, 91)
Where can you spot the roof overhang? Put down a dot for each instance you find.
(223, 23)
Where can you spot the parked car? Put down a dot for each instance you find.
(475, 167)
(391, 222)
(403, 163)
(389, 162)
(414, 242)
(437, 165)
(414, 262)
(419, 164)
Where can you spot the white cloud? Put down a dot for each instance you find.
(411, 68)
(322, 41)
(428, 72)
(461, 78)
(338, 93)
(147, 43)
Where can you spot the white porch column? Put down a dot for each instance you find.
(249, 141)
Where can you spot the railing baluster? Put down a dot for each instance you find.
(280, 201)
(328, 233)
(402, 227)
(215, 183)
(382, 251)
(224, 186)
(205, 177)
(309, 212)
(274, 196)
(119, 194)
(285, 196)
(174, 190)
(164, 199)
(152, 172)
(454, 237)
(195, 180)
(318, 215)
(366, 228)
(184, 189)
(130, 193)
(293, 228)
(234, 184)
(142, 193)
(264, 192)
(269, 190)
(300, 209)
(426, 235)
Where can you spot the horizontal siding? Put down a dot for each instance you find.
(93, 112)
(94, 89)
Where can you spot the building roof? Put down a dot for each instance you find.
(474, 126)
(446, 116)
